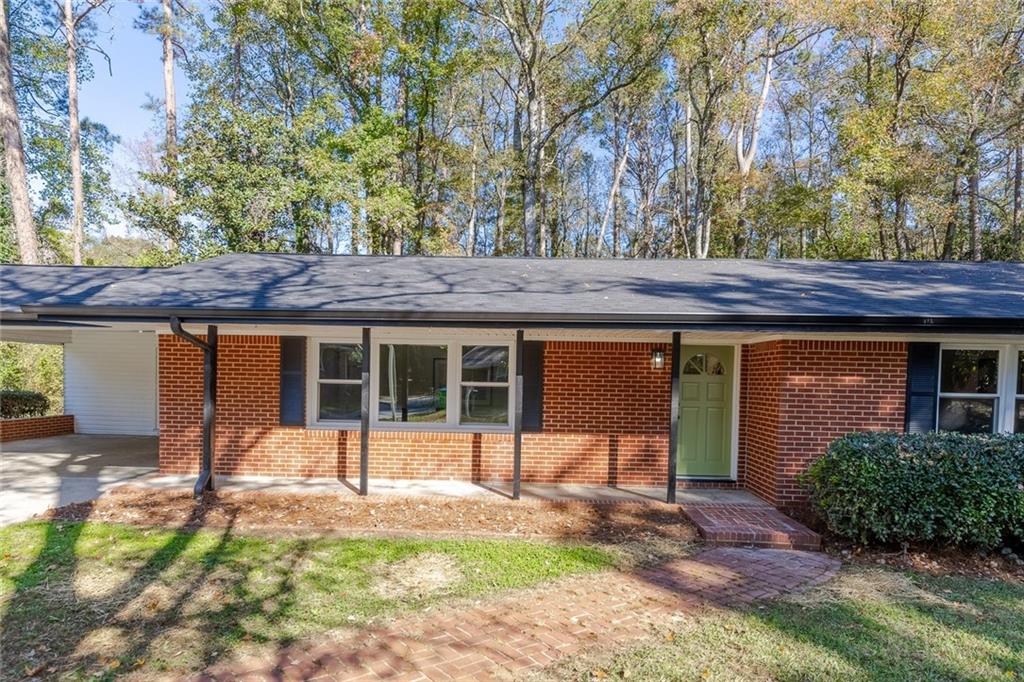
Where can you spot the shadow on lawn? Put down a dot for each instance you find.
(932, 629)
(47, 619)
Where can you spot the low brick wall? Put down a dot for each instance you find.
(36, 427)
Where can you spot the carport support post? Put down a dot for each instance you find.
(209, 409)
(517, 439)
(364, 418)
(209, 348)
(673, 429)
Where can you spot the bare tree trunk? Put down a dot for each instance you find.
(14, 152)
(880, 217)
(471, 238)
(1018, 211)
(74, 129)
(972, 210)
(542, 231)
(613, 195)
(530, 181)
(745, 153)
(954, 213)
(899, 227)
(170, 100)
(499, 218)
(686, 180)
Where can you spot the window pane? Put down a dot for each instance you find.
(341, 361)
(715, 366)
(1018, 422)
(413, 383)
(340, 401)
(485, 363)
(694, 365)
(1020, 373)
(484, 405)
(966, 415)
(970, 371)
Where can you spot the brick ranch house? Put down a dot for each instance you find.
(718, 373)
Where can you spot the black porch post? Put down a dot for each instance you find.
(517, 425)
(673, 429)
(364, 418)
(209, 406)
(209, 347)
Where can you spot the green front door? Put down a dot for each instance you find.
(705, 411)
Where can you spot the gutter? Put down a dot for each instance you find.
(649, 321)
(205, 481)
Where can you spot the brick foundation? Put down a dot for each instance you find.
(36, 427)
(605, 422)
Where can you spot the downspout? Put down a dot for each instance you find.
(209, 347)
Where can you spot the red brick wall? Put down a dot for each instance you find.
(800, 395)
(605, 417)
(605, 421)
(761, 368)
(36, 427)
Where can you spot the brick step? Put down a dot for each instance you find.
(757, 526)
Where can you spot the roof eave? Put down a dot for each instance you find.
(531, 320)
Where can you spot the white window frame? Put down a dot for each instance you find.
(507, 385)
(1013, 361)
(454, 340)
(455, 343)
(313, 382)
(1006, 383)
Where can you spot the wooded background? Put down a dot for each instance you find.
(636, 128)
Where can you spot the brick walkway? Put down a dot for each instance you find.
(533, 629)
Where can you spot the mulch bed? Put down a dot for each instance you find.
(937, 561)
(304, 514)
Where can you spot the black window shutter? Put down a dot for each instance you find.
(922, 386)
(293, 380)
(533, 385)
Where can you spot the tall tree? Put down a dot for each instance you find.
(72, 16)
(15, 172)
(607, 46)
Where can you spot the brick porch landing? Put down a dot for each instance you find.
(752, 522)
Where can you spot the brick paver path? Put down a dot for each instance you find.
(533, 629)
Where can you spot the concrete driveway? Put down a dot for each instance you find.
(41, 473)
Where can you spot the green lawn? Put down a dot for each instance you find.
(868, 624)
(84, 599)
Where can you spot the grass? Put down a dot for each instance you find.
(869, 624)
(91, 600)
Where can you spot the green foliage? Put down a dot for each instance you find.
(16, 404)
(34, 367)
(946, 488)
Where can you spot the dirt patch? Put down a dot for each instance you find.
(320, 514)
(867, 585)
(419, 576)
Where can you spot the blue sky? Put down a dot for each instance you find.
(118, 100)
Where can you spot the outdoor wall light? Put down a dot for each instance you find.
(657, 359)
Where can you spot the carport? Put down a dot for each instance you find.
(41, 473)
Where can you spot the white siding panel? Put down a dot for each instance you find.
(110, 382)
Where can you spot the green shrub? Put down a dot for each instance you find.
(945, 488)
(15, 404)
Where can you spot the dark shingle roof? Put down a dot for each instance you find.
(29, 284)
(554, 289)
